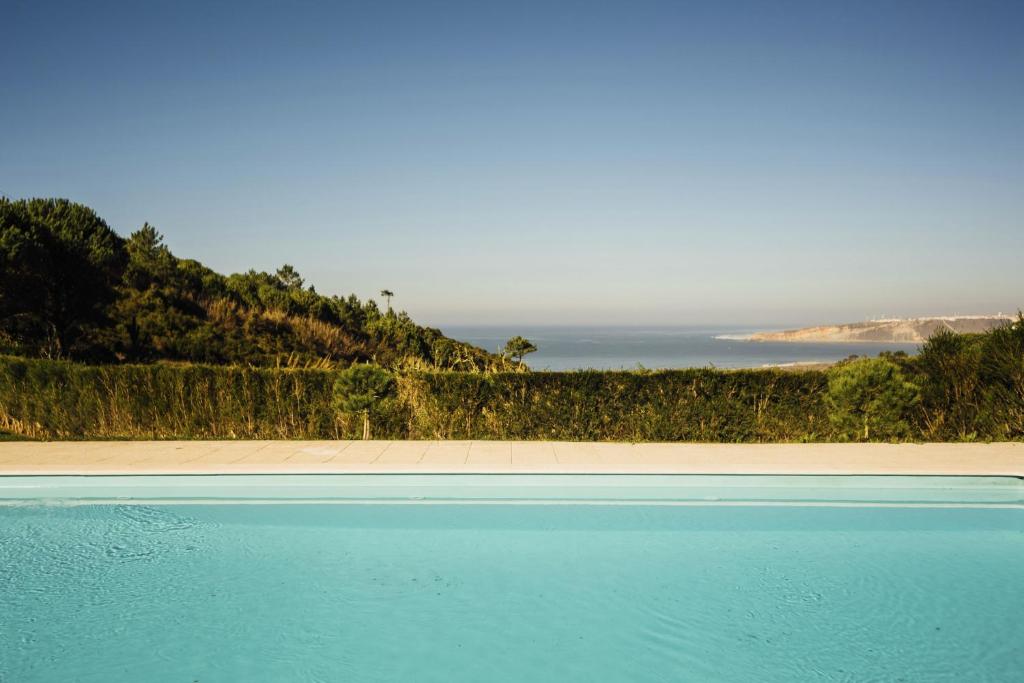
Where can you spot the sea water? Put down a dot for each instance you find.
(617, 348)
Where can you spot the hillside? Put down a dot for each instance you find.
(909, 330)
(70, 287)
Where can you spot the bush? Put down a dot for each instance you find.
(363, 390)
(870, 398)
(1001, 378)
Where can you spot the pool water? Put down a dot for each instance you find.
(187, 589)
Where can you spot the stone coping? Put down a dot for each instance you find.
(504, 457)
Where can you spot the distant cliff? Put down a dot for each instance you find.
(908, 330)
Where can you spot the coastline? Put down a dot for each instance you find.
(797, 366)
(886, 330)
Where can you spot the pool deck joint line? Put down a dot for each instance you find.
(19, 458)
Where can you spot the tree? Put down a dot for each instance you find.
(361, 390)
(70, 287)
(289, 277)
(60, 263)
(141, 311)
(517, 347)
(870, 398)
(387, 294)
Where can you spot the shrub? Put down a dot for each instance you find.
(363, 390)
(948, 373)
(870, 398)
(1001, 379)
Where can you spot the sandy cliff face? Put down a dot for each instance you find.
(911, 330)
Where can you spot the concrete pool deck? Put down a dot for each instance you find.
(496, 457)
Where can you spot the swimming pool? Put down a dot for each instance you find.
(511, 578)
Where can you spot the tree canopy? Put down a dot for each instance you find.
(59, 266)
(70, 287)
(870, 398)
(517, 347)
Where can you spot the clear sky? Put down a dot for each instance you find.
(553, 162)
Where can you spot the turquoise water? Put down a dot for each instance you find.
(309, 591)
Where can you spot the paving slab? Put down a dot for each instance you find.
(489, 454)
(445, 455)
(528, 455)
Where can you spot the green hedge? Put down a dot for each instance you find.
(959, 388)
(57, 399)
(677, 405)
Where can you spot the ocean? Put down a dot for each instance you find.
(629, 348)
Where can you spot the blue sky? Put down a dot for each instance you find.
(561, 162)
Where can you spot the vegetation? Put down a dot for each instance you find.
(972, 386)
(869, 397)
(518, 347)
(71, 288)
(362, 390)
(958, 388)
(387, 294)
(176, 350)
(669, 405)
(65, 400)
